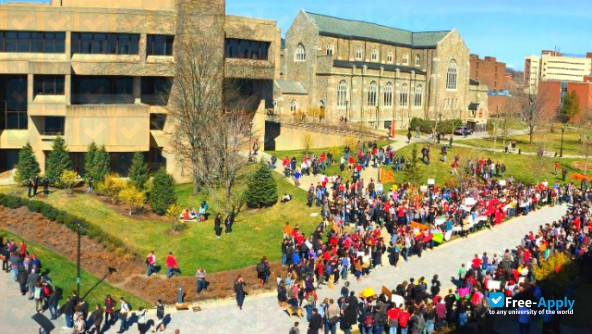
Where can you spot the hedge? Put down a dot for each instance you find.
(425, 125)
(66, 219)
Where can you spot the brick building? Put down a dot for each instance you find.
(553, 93)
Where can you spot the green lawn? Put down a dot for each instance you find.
(519, 166)
(62, 273)
(256, 233)
(550, 141)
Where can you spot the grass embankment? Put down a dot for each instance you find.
(62, 273)
(551, 142)
(256, 233)
(521, 167)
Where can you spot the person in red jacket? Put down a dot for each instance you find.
(404, 316)
(172, 265)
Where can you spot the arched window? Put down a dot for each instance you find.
(451, 75)
(359, 53)
(374, 55)
(389, 57)
(418, 95)
(388, 94)
(417, 60)
(342, 93)
(405, 59)
(372, 90)
(404, 95)
(293, 106)
(300, 54)
(322, 105)
(330, 49)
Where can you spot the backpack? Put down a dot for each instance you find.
(261, 267)
(147, 261)
(369, 320)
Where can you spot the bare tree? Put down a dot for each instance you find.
(534, 111)
(209, 125)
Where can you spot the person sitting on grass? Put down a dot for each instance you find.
(286, 198)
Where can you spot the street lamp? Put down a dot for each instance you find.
(79, 225)
(561, 148)
(377, 117)
(346, 111)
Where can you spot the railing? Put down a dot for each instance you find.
(322, 125)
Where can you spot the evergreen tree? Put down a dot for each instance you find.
(89, 160)
(138, 172)
(27, 166)
(261, 189)
(101, 165)
(58, 161)
(413, 172)
(571, 107)
(162, 194)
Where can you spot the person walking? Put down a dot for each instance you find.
(97, 320)
(124, 310)
(30, 188)
(218, 225)
(150, 263)
(316, 322)
(160, 326)
(45, 186)
(35, 185)
(109, 308)
(53, 302)
(409, 136)
(239, 290)
(141, 320)
(295, 329)
(228, 222)
(172, 265)
(201, 280)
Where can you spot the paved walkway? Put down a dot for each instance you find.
(261, 314)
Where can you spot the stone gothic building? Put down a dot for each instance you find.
(365, 72)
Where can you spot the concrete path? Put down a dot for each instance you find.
(261, 314)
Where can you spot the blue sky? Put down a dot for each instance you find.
(506, 29)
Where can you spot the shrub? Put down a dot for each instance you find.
(68, 180)
(444, 126)
(58, 161)
(261, 189)
(27, 166)
(555, 274)
(132, 198)
(162, 194)
(138, 172)
(111, 186)
(173, 212)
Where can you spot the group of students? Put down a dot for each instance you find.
(26, 269)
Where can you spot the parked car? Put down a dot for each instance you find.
(463, 131)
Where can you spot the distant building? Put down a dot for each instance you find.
(491, 73)
(373, 74)
(553, 92)
(554, 66)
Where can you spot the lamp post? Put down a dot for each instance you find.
(377, 117)
(346, 111)
(561, 148)
(79, 224)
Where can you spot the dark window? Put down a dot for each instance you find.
(54, 125)
(246, 49)
(156, 90)
(102, 43)
(102, 90)
(157, 121)
(160, 45)
(32, 41)
(49, 85)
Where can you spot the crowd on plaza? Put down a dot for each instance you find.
(33, 281)
(351, 238)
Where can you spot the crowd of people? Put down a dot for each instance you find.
(33, 281)
(351, 239)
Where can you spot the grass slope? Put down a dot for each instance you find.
(62, 273)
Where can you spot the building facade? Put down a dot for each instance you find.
(102, 72)
(555, 91)
(364, 72)
(554, 66)
(492, 73)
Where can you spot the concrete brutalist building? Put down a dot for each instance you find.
(102, 71)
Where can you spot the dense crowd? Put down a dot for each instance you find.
(351, 239)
